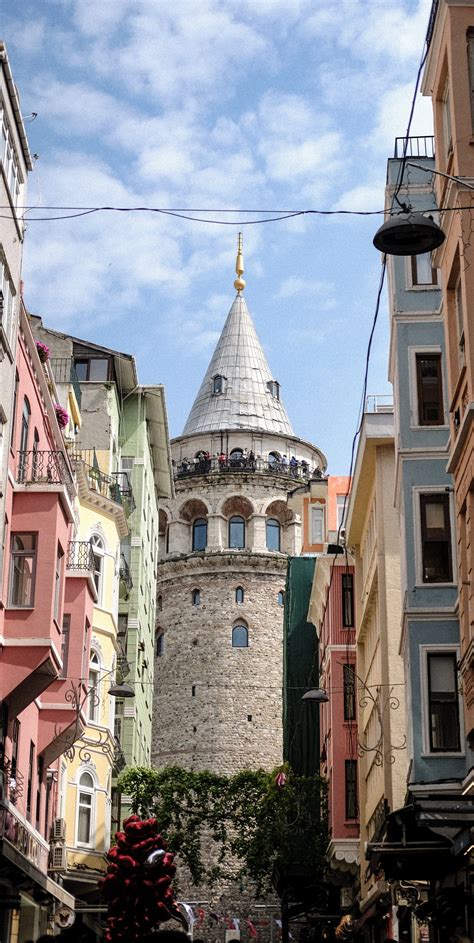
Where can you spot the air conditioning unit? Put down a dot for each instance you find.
(57, 858)
(58, 830)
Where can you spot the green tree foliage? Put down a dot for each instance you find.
(263, 819)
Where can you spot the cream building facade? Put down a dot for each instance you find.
(373, 536)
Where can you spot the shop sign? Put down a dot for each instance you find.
(21, 837)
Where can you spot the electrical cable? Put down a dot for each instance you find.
(401, 169)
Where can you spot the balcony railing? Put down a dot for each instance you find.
(125, 575)
(11, 780)
(115, 487)
(379, 403)
(119, 762)
(64, 371)
(49, 468)
(80, 555)
(234, 466)
(22, 836)
(418, 146)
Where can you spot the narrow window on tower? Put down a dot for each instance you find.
(200, 534)
(237, 533)
(239, 595)
(196, 597)
(218, 384)
(240, 636)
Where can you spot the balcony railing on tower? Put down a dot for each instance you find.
(40, 467)
(64, 371)
(299, 469)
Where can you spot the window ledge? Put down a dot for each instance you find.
(435, 428)
(19, 608)
(436, 585)
(440, 756)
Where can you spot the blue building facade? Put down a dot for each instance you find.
(432, 828)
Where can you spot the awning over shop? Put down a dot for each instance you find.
(423, 839)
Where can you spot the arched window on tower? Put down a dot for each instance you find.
(273, 534)
(237, 533)
(200, 534)
(240, 636)
(196, 596)
(274, 458)
(159, 642)
(239, 595)
(281, 598)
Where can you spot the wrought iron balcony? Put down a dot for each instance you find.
(118, 762)
(80, 555)
(116, 487)
(48, 468)
(64, 371)
(235, 466)
(125, 575)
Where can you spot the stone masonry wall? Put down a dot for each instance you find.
(217, 707)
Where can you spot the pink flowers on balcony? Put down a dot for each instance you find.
(62, 415)
(43, 351)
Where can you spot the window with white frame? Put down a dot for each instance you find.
(436, 549)
(9, 158)
(429, 384)
(342, 504)
(57, 581)
(22, 570)
(317, 525)
(7, 293)
(98, 553)
(94, 688)
(446, 119)
(85, 809)
(443, 702)
(423, 275)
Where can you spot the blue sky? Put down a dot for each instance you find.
(256, 104)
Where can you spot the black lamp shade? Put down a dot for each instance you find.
(121, 689)
(408, 234)
(316, 694)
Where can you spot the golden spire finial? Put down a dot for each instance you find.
(239, 283)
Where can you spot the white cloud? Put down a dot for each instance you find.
(393, 114)
(294, 285)
(373, 28)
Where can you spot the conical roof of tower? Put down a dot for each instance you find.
(250, 397)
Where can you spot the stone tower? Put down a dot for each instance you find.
(224, 543)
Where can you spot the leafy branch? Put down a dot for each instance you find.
(260, 818)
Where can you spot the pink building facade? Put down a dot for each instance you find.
(46, 603)
(332, 611)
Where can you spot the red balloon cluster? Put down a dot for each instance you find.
(137, 885)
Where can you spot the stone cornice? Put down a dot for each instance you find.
(220, 560)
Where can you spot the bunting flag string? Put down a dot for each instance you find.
(198, 915)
